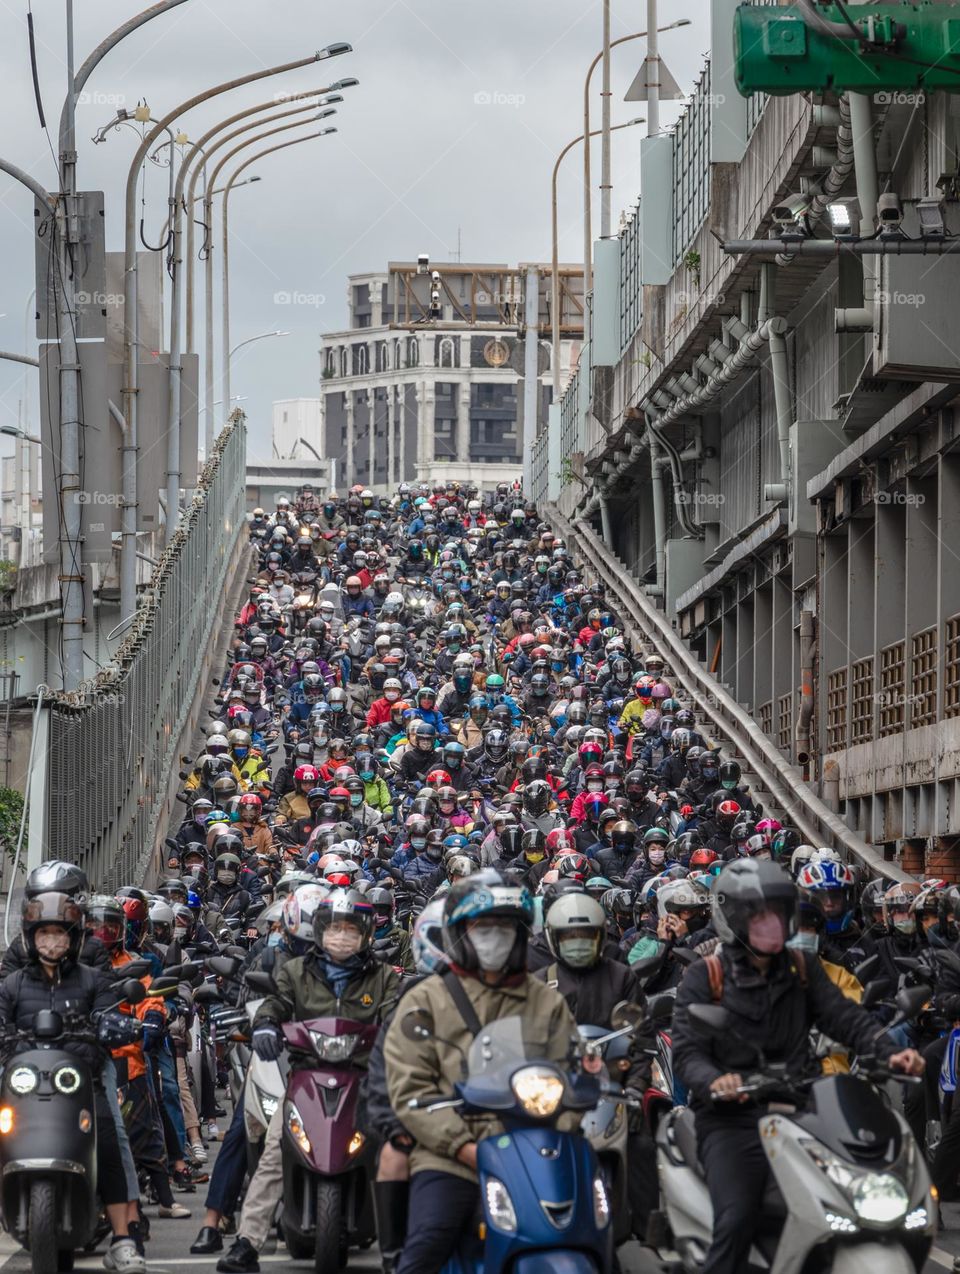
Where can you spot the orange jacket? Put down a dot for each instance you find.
(132, 1054)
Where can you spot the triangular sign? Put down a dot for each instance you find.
(669, 88)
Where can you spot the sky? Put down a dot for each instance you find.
(452, 131)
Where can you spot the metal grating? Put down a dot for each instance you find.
(765, 717)
(923, 677)
(691, 167)
(837, 710)
(539, 468)
(951, 667)
(892, 692)
(112, 744)
(861, 701)
(631, 286)
(785, 721)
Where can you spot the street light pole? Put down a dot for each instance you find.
(555, 259)
(225, 240)
(587, 177)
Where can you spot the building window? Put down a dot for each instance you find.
(446, 352)
(413, 352)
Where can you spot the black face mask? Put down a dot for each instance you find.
(696, 923)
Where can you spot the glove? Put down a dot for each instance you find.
(267, 1042)
(154, 1026)
(114, 1030)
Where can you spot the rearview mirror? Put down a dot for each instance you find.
(874, 992)
(417, 1025)
(135, 969)
(626, 1014)
(164, 985)
(133, 991)
(222, 966)
(206, 993)
(911, 1000)
(660, 1009)
(260, 981)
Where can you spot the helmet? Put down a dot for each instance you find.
(424, 736)
(161, 920)
(105, 921)
(573, 865)
(623, 835)
(348, 906)
(58, 877)
(799, 859)
(727, 813)
(299, 909)
(574, 928)
(830, 888)
(487, 894)
(306, 774)
(871, 900)
(427, 938)
(899, 903)
(495, 745)
(52, 908)
(747, 889)
(533, 844)
(536, 797)
(729, 775)
(677, 897)
(226, 867)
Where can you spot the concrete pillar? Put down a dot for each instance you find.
(371, 435)
(376, 304)
(401, 457)
(463, 423)
(426, 409)
(391, 435)
(349, 477)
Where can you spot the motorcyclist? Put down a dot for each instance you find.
(486, 922)
(774, 995)
(338, 978)
(56, 876)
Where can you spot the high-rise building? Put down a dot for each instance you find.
(427, 382)
(297, 429)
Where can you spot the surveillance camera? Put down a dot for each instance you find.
(889, 211)
(791, 210)
(423, 262)
(436, 277)
(435, 297)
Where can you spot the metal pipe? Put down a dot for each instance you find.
(657, 460)
(865, 168)
(834, 180)
(881, 247)
(18, 358)
(653, 72)
(605, 522)
(605, 180)
(531, 377)
(128, 516)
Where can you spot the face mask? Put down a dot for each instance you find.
(708, 774)
(226, 877)
(907, 926)
(274, 939)
(577, 952)
(805, 940)
(342, 944)
(656, 856)
(52, 947)
(533, 856)
(595, 785)
(765, 933)
(729, 784)
(493, 946)
(356, 798)
(418, 842)
(193, 870)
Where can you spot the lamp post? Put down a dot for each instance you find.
(587, 179)
(224, 236)
(555, 259)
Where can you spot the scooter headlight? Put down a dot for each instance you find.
(500, 1206)
(880, 1199)
(66, 1080)
(296, 1129)
(268, 1103)
(23, 1080)
(334, 1048)
(601, 1204)
(657, 1077)
(538, 1090)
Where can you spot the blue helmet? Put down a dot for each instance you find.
(829, 888)
(487, 893)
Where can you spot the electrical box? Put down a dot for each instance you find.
(89, 271)
(780, 50)
(915, 318)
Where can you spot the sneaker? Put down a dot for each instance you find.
(213, 1132)
(198, 1152)
(183, 1181)
(241, 1259)
(122, 1255)
(176, 1212)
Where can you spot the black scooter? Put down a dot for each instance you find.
(48, 1136)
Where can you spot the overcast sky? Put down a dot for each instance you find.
(455, 125)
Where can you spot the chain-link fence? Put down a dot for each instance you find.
(112, 748)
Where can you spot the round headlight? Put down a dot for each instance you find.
(23, 1080)
(66, 1080)
(880, 1199)
(538, 1090)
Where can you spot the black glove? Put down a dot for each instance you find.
(154, 1028)
(114, 1029)
(267, 1042)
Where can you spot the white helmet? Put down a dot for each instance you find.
(564, 924)
(394, 601)
(299, 909)
(802, 855)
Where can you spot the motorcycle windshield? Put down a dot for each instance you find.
(504, 1043)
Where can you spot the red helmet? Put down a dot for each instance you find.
(559, 840)
(572, 865)
(439, 778)
(250, 800)
(727, 813)
(306, 774)
(588, 752)
(703, 857)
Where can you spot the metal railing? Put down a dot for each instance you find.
(540, 468)
(790, 796)
(112, 748)
(691, 167)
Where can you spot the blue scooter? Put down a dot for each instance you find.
(543, 1199)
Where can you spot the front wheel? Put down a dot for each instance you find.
(42, 1228)
(330, 1244)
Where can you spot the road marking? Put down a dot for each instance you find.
(939, 1255)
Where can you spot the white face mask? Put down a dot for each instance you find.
(226, 877)
(341, 944)
(656, 856)
(493, 945)
(52, 947)
(579, 953)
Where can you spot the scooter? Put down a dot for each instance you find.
(849, 1190)
(263, 1093)
(328, 1163)
(545, 1202)
(48, 1136)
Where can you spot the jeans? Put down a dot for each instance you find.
(441, 1208)
(123, 1141)
(170, 1094)
(226, 1180)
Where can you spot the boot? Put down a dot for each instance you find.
(390, 1205)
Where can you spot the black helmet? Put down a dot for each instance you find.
(746, 888)
(729, 774)
(536, 797)
(57, 877)
(495, 745)
(52, 908)
(424, 736)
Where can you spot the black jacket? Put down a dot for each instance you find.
(77, 989)
(92, 953)
(773, 1013)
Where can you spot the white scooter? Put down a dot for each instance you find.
(848, 1191)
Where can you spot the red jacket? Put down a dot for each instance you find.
(378, 713)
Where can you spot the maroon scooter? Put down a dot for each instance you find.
(328, 1163)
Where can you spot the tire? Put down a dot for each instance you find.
(42, 1228)
(299, 1249)
(330, 1240)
